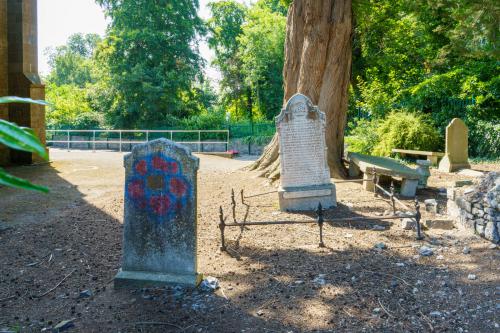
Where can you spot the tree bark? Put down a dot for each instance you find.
(318, 65)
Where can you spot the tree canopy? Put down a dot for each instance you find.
(152, 59)
(438, 58)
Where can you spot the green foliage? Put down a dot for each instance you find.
(9, 180)
(151, 56)
(363, 137)
(438, 58)
(249, 52)
(260, 140)
(435, 57)
(88, 120)
(67, 102)
(484, 139)
(262, 52)
(214, 119)
(225, 27)
(146, 72)
(72, 64)
(400, 129)
(74, 74)
(277, 6)
(20, 138)
(406, 130)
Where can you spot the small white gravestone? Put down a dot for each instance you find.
(457, 146)
(305, 176)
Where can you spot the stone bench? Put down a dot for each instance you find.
(371, 165)
(432, 156)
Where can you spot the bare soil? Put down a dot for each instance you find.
(273, 278)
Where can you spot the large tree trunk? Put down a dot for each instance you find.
(318, 65)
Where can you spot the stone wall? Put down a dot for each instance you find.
(234, 144)
(478, 208)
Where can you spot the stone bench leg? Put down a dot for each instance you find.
(368, 184)
(354, 170)
(409, 187)
(433, 160)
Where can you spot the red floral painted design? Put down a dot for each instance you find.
(160, 204)
(160, 164)
(173, 167)
(141, 167)
(136, 189)
(178, 187)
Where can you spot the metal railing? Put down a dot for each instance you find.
(129, 137)
(378, 190)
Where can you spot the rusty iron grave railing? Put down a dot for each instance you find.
(320, 220)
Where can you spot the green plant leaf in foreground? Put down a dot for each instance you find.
(12, 181)
(22, 139)
(15, 99)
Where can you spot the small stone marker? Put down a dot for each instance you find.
(408, 223)
(423, 170)
(457, 146)
(305, 175)
(159, 235)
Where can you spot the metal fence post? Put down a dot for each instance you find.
(199, 141)
(171, 136)
(93, 142)
(227, 140)
(320, 221)
(120, 140)
(147, 135)
(418, 216)
(222, 226)
(68, 141)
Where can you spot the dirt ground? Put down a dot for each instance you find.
(273, 278)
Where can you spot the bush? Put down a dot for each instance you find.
(363, 136)
(405, 130)
(484, 139)
(89, 120)
(400, 129)
(208, 120)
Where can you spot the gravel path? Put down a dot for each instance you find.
(273, 278)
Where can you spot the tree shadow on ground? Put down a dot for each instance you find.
(359, 289)
(284, 286)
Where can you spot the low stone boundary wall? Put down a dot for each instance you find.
(234, 144)
(477, 208)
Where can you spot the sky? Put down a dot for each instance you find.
(58, 19)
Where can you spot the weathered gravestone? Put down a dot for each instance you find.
(305, 176)
(457, 145)
(159, 236)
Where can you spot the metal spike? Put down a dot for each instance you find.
(320, 220)
(418, 216)
(222, 227)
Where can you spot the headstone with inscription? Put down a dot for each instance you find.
(305, 176)
(159, 236)
(457, 147)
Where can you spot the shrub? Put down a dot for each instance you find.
(363, 136)
(89, 120)
(407, 130)
(484, 139)
(211, 119)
